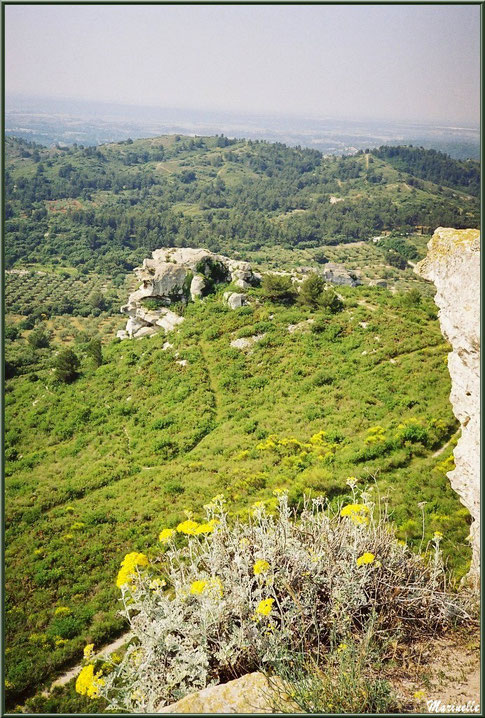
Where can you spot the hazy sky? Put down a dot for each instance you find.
(418, 62)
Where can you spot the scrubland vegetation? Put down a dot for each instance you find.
(98, 466)
(108, 442)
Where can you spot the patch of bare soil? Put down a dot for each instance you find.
(441, 676)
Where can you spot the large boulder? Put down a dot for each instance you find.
(179, 274)
(252, 693)
(339, 275)
(453, 265)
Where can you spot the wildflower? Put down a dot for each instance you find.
(356, 513)
(420, 695)
(244, 542)
(188, 527)
(206, 528)
(198, 587)
(351, 481)
(68, 537)
(354, 509)
(77, 526)
(61, 642)
(69, 508)
(265, 607)
(88, 651)
(62, 611)
(257, 507)
(342, 647)
(165, 535)
(365, 558)
(128, 568)
(37, 551)
(437, 535)
(213, 586)
(88, 682)
(260, 566)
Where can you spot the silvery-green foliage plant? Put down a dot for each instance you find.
(229, 597)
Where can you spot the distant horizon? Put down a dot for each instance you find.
(384, 63)
(445, 123)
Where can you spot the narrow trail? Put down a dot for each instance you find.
(212, 384)
(74, 671)
(445, 446)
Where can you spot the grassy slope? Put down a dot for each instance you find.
(102, 465)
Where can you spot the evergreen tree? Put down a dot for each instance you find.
(66, 366)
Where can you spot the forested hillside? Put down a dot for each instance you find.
(103, 209)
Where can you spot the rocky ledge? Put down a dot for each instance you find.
(179, 275)
(453, 264)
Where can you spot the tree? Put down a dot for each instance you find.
(278, 288)
(94, 351)
(330, 301)
(66, 365)
(311, 290)
(39, 338)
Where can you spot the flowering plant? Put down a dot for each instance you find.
(230, 598)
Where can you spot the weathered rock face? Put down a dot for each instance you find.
(250, 694)
(179, 275)
(337, 274)
(453, 264)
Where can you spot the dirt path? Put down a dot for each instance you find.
(443, 672)
(442, 448)
(73, 672)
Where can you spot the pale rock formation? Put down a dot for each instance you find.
(378, 283)
(246, 342)
(453, 264)
(252, 693)
(337, 274)
(180, 275)
(235, 300)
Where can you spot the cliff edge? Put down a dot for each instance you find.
(453, 265)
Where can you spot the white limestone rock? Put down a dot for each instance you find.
(181, 274)
(197, 287)
(246, 342)
(235, 300)
(453, 265)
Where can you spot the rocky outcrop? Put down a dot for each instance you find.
(252, 693)
(453, 264)
(179, 275)
(337, 274)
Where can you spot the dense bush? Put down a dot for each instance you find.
(238, 597)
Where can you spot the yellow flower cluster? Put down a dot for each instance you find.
(62, 611)
(212, 585)
(260, 566)
(88, 651)
(356, 513)
(192, 528)
(88, 682)
(317, 446)
(128, 568)
(265, 607)
(165, 535)
(365, 558)
(376, 434)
